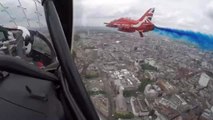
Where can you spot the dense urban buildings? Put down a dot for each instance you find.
(149, 78)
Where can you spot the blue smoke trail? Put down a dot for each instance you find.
(203, 41)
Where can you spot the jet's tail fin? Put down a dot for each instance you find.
(149, 13)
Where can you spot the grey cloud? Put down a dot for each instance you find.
(130, 12)
(78, 9)
(209, 10)
(210, 13)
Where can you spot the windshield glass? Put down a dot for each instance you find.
(24, 33)
(149, 60)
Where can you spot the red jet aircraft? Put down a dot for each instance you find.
(141, 25)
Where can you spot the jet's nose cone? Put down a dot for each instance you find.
(153, 9)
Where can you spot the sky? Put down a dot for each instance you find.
(196, 15)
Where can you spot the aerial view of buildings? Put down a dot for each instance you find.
(149, 78)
